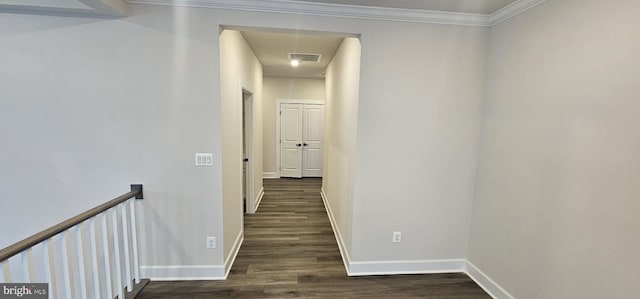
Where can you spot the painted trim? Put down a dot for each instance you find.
(269, 175)
(299, 101)
(346, 260)
(333, 10)
(95, 9)
(512, 10)
(114, 8)
(406, 267)
(353, 268)
(54, 11)
(258, 199)
(248, 143)
(194, 272)
(363, 268)
(183, 272)
(485, 282)
(357, 12)
(228, 261)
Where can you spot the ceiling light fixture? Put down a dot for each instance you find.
(295, 62)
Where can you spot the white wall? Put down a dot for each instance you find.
(419, 123)
(92, 105)
(341, 116)
(282, 88)
(89, 106)
(239, 68)
(556, 211)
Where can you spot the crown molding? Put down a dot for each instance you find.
(95, 9)
(515, 8)
(332, 10)
(355, 11)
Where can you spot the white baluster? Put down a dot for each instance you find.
(65, 264)
(134, 241)
(46, 260)
(2, 279)
(26, 269)
(94, 258)
(127, 249)
(82, 274)
(107, 261)
(116, 252)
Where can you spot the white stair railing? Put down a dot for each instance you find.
(91, 255)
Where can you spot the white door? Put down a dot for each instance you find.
(313, 129)
(291, 140)
(301, 132)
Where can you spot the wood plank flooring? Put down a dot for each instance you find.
(289, 251)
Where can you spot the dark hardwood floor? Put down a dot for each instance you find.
(289, 251)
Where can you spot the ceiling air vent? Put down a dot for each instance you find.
(304, 57)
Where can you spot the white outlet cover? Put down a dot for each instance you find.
(211, 242)
(397, 237)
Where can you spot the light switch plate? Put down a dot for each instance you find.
(204, 159)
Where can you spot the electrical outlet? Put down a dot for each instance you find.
(211, 242)
(397, 237)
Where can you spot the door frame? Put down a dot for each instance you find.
(279, 102)
(248, 143)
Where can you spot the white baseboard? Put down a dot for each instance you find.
(228, 261)
(183, 272)
(258, 199)
(336, 232)
(193, 272)
(485, 282)
(357, 268)
(387, 267)
(363, 268)
(353, 268)
(269, 175)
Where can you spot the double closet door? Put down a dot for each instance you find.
(301, 132)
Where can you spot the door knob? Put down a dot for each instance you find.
(304, 144)
(298, 144)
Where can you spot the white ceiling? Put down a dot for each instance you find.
(463, 6)
(272, 50)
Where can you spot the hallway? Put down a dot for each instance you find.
(290, 251)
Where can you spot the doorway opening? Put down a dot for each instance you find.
(256, 72)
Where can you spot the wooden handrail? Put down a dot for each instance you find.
(8, 252)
